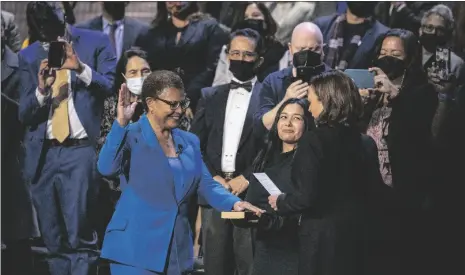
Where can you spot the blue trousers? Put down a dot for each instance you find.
(64, 194)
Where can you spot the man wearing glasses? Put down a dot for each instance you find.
(224, 125)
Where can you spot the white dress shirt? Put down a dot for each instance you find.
(236, 111)
(76, 130)
(118, 34)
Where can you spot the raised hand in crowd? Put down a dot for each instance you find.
(46, 76)
(125, 109)
(383, 84)
(72, 61)
(297, 89)
(443, 86)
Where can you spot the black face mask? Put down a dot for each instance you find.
(186, 9)
(393, 67)
(361, 9)
(306, 58)
(242, 70)
(254, 24)
(115, 9)
(431, 41)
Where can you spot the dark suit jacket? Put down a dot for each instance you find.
(339, 191)
(93, 49)
(195, 55)
(16, 199)
(408, 18)
(208, 125)
(132, 29)
(364, 55)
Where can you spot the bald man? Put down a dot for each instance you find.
(306, 47)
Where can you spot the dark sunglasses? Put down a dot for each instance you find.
(184, 104)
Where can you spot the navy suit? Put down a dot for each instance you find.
(226, 248)
(364, 55)
(149, 213)
(63, 177)
(132, 29)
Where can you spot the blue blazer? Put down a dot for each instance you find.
(141, 228)
(93, 49)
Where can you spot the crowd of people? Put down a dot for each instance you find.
(130, 149)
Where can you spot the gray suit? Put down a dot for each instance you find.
(11, 31)
(132, 29)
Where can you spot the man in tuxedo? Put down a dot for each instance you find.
(62, 108)
(122, 30)
(223, 123)
(306, 48)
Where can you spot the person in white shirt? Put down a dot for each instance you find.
(224, 125)
(61, 107)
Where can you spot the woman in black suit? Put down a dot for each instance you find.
(276, 242)
(337, 184)
(185, 41)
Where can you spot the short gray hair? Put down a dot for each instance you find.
(442, 11)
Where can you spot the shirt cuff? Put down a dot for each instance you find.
(86, 75)
(41, 98)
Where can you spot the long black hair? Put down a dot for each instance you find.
(273, 143)
(162, 16)
(239, 14)
(413, 58)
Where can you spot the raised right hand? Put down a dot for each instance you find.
(125, 109)
(297, 89)
(46, 76)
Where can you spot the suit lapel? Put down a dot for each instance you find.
(367, 43)
(9, 63)
(97, 24)
(152, 141)
(188, 34)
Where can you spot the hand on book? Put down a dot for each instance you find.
(243, 205)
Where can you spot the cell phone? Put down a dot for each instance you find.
(442, 64)
(306, 73)
(56, 54)
(364, 79)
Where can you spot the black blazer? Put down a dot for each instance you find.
(16, 198)
(362, 58)
(195, 56)
(132, 29)
(208, 125)
(340, 190)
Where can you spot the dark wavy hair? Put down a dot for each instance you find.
(273, 143)
(340, 97)
(123, 62)
(239, 14)
(412, 48)
(249, 33)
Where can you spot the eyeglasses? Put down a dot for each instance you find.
(184, 104)
(432, 28)
(239, 54)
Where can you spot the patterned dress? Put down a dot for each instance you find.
(378, 130)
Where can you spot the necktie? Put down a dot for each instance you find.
(113, 28)
(246, 85)
(60, 121)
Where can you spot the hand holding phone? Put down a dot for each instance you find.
(46, 76)
(56, 54)
(364, 79)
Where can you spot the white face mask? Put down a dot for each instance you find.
(135, 84)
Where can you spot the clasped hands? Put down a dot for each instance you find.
(47, 75)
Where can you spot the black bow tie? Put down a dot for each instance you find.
(246, 85)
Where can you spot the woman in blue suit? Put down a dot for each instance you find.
(149, 232)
